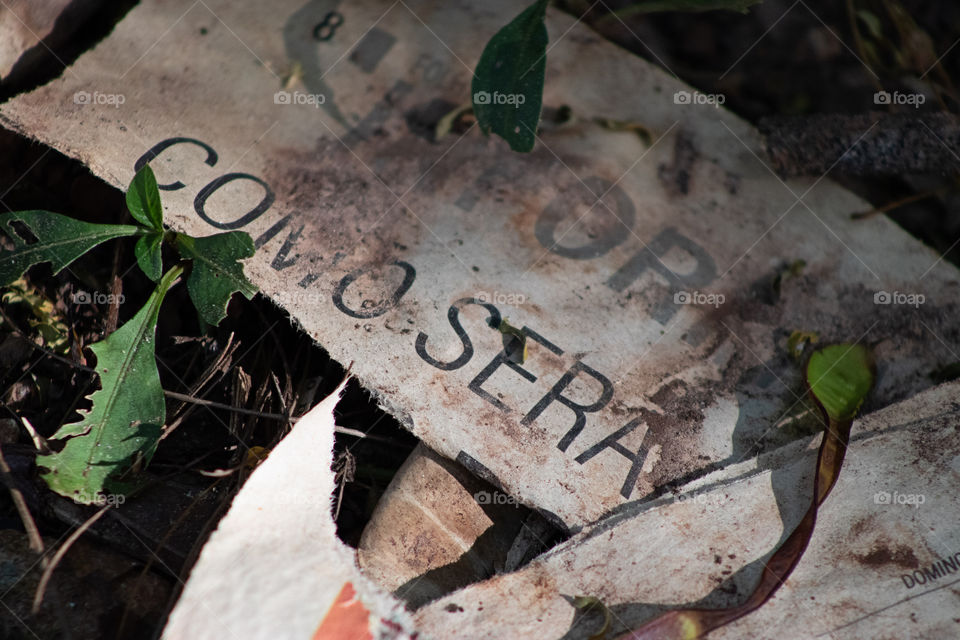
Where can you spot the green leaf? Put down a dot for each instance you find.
(508, 82)
(799, 340)
(59, 240)
(44, 318)
(840, 376)
(514, 342)
(873, 23)
(445, 124)
(591, 603)
(128, 412)
(216, 273)
(622, 125)
(149, 256)
(143, 199)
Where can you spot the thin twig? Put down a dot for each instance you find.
(226, 407)
(36, 542)
(116, 291)
(897, 203)
(48, 353)
(347, 431)
(38, 440)
(221, 364)
(62, 551)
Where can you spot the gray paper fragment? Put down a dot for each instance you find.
(883, 561)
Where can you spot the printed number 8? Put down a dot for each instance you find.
(325, 30)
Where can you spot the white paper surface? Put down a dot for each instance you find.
(375, 232)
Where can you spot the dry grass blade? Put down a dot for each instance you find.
(219, 366)
(49, 566)
(36, 542)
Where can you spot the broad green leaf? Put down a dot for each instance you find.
(123, 425)
(149, 256)
(840, 376)
(59, 240)
(651, 6)
(216, 273)
(143, 199)
(508, 82)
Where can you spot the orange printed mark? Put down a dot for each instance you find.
(347, 618)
